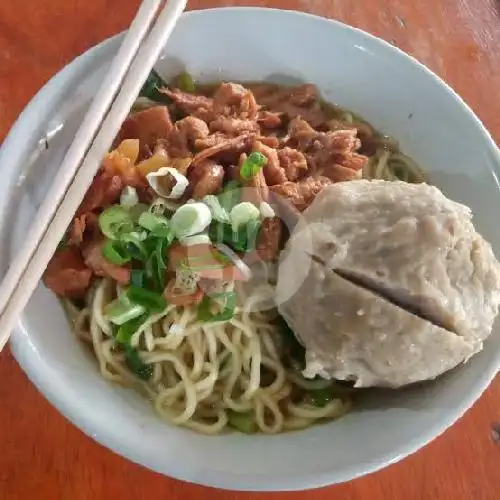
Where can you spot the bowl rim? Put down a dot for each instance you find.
(38, 372)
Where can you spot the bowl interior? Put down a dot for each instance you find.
(357, 71)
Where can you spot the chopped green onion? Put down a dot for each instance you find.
(321, 397)
(125, 331)
(115, 221)
(242, 214)
(136, 236)
(250, 232)
(122, 310)
(161, 182)
(116, 253)
(135, 244)
(129, 197)
(157, 224)
(186, 83)
(205, 313)
(151, 86)
(189, 219)
(151, 301)
(219, 213)
(136, 210)
(230, 196)
(156, 265)
(162, 205)
(137, 277)
(142, 370)
(242, 421)
(242, 240)
(164, 232)
(159, 252)
(252, 165)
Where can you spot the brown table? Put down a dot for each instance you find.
(42, 456)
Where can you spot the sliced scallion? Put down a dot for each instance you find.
(242, 240)
(242, 421)
(219, 213)
(157, 224)
(125, 331)
(155, 264)
(168, 182)
(137, 366)
(225, 300)
(162, 205)
(242, 213)
(121, 310)
(186, 83)
(151, 301)
(252, 165)
(189, 219)
(230, 196)
(321, 397)
(137, 277)
(136, 210)
(114, 221)
(135, 245)
(116, 253)
(129, 197)
(151, 86)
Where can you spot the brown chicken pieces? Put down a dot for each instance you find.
(305, 147)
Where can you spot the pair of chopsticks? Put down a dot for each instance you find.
(137, 55)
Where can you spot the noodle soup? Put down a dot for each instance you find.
(168, 269)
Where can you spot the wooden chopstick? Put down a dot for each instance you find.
(129, 70)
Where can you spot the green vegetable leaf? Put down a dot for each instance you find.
(242, 421)
(135, 245)
(320, 397)
(151, 301)
(122, 310)
(116, 253)
(225, 300)
(156, 224)
(242, 214)
(230, 196)
(142, 370)
(156, 264)
(252, 165)
(185, 83)
(115, 221)
(151, 86)
(137, 277)
(219, 213)
(124, 332)
(136, 210)
(242, 240)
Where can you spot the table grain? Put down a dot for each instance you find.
(44, 457)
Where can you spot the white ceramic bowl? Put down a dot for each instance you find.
(356, 70)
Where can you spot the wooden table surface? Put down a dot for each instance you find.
(43, 456)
